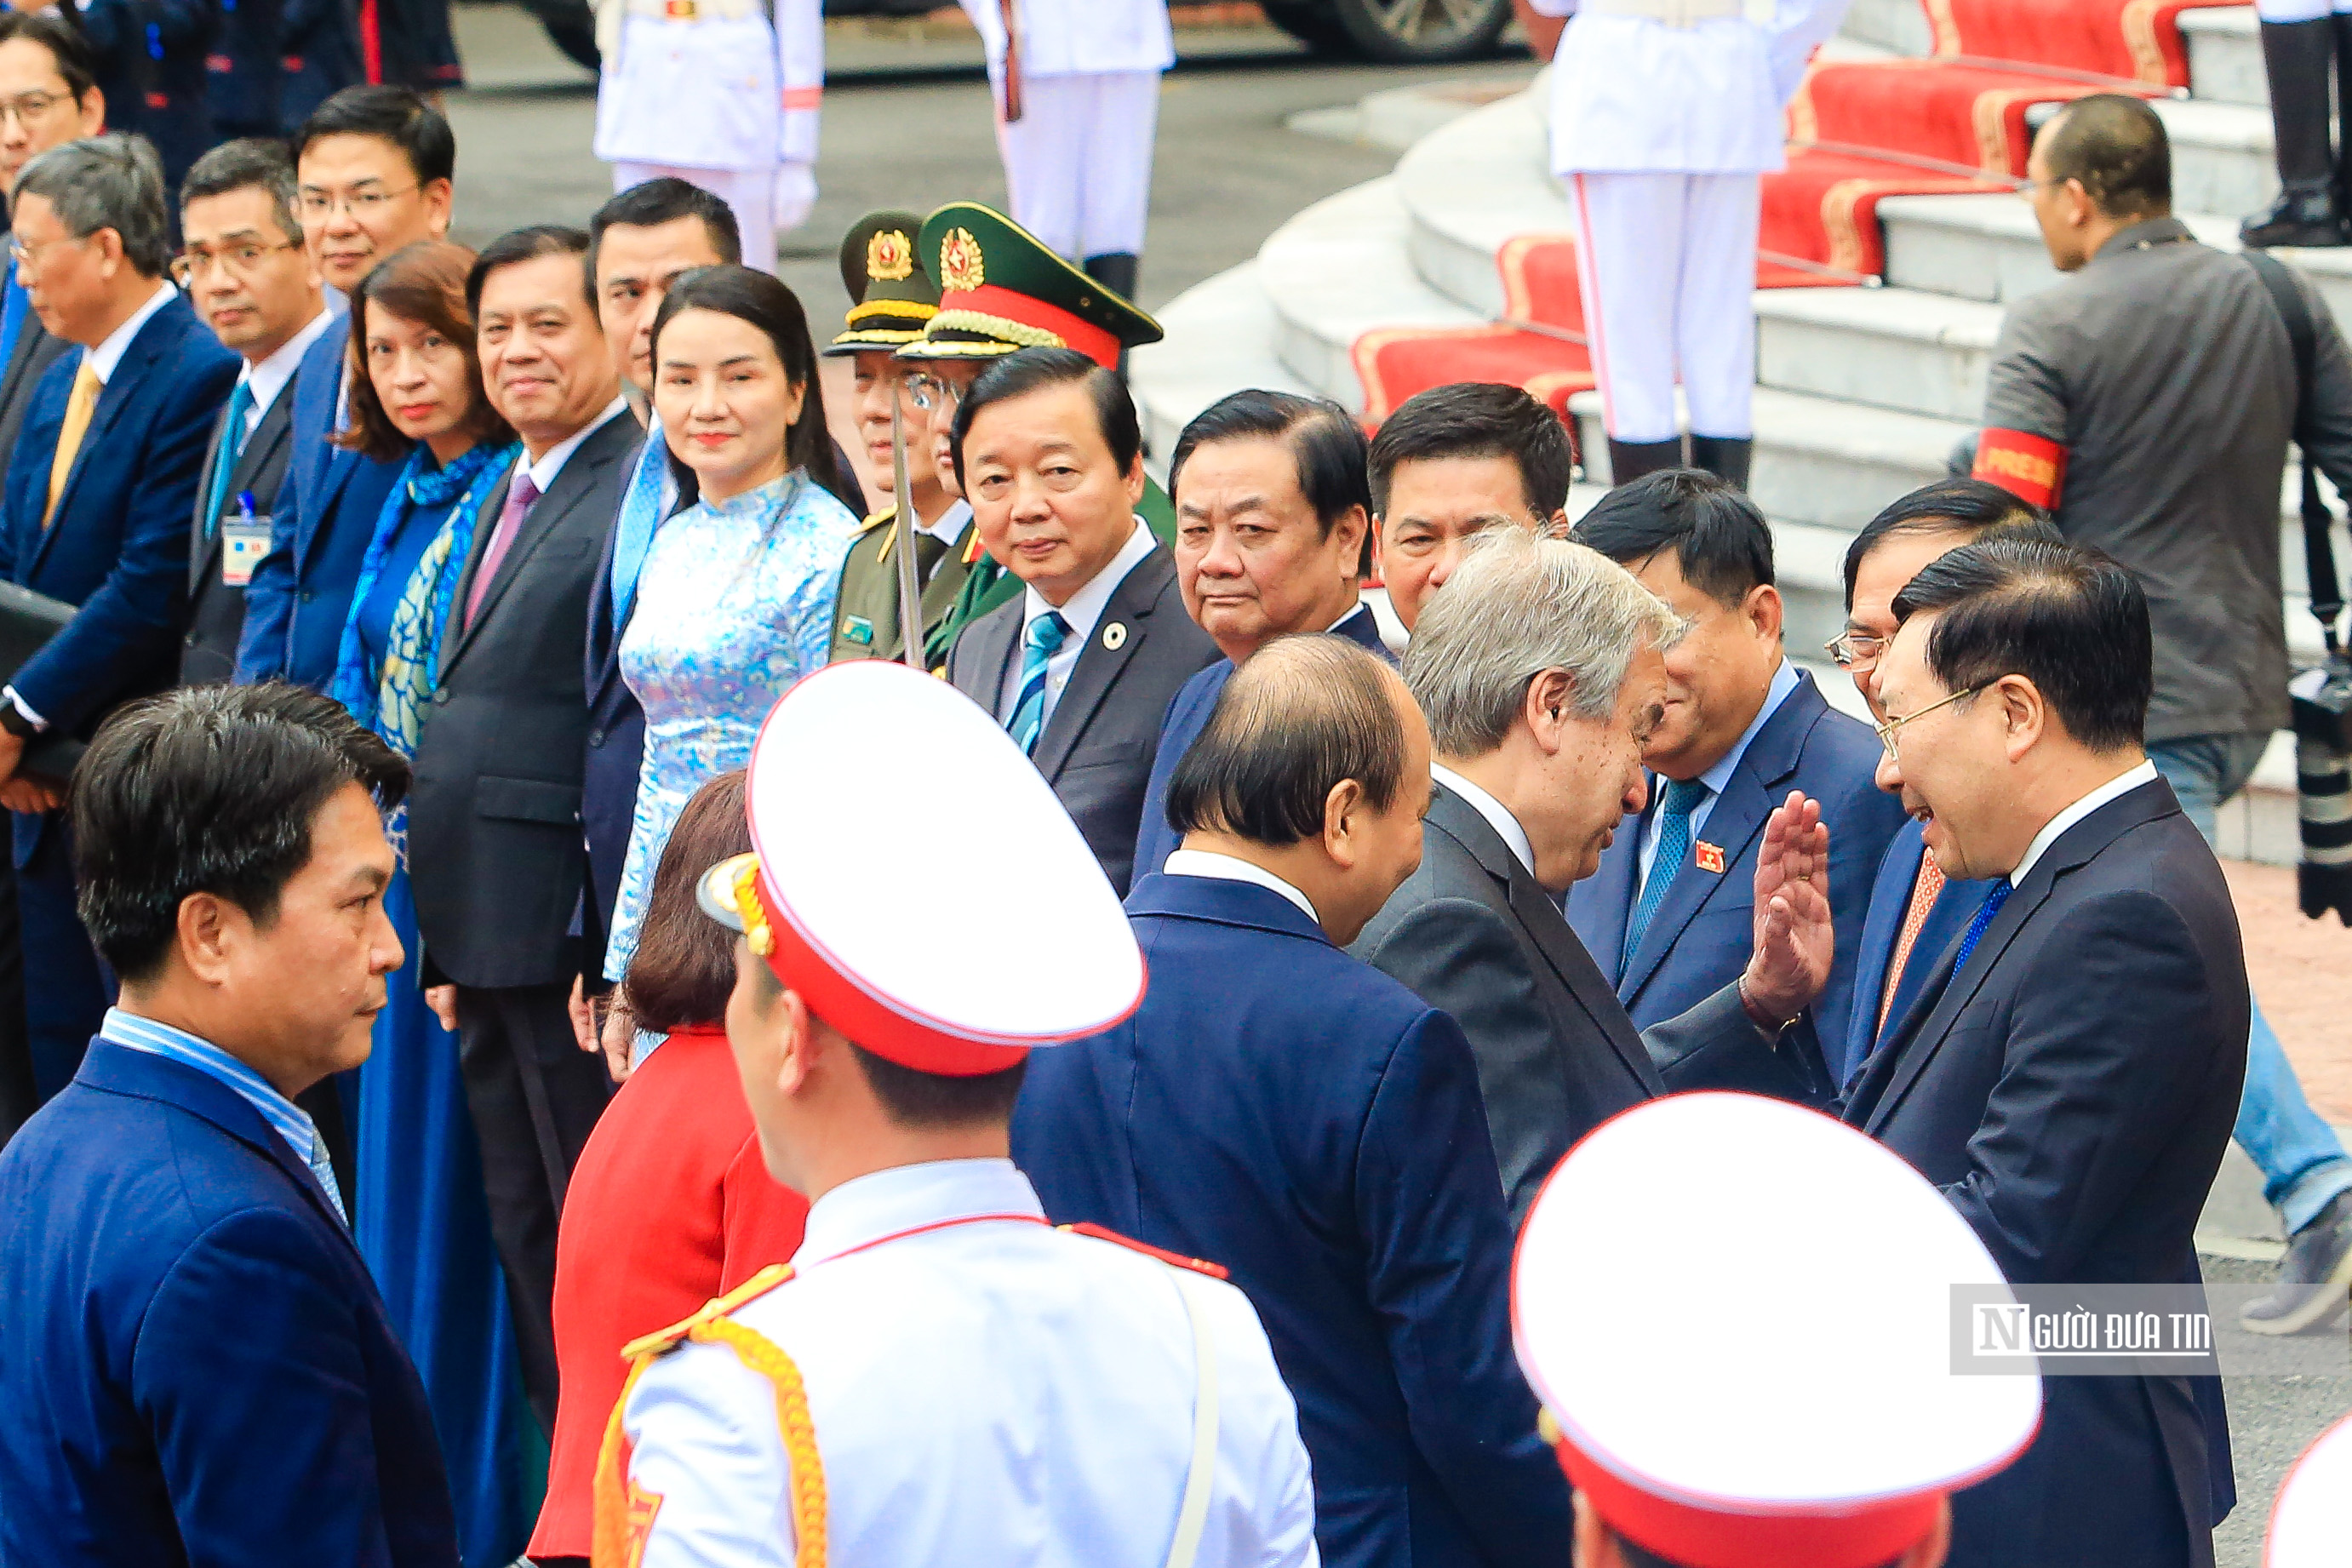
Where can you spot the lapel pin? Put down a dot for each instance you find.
(1114, 636)
(1709, 857)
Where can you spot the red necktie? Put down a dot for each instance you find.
(519, 495)
(1924, 890)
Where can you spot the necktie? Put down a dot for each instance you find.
(519, 495)
(79, 407)
(1990, 907)
(324, 1169)
(1683, 797)
(1038, 646)
(232, 447)
(642, 505)
(1924, 889)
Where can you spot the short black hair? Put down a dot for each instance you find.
(2070, 620)
(1478, 419)
(209, 789)
(1025, 370)
(396, 114)
(1303, 715)
(915, 1098)
(529, 244)
(1327, 443)
(650, 204)
(1720, 540)
(250, 162)
(2116, 146)
(77, 61)
(1947, 506)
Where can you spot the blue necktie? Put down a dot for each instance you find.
(1683, 797)
(1983, 918)
(324, 1169)
(641, 514)
(1041, 643)
(232, 447)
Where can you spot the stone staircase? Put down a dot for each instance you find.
(1861, 393)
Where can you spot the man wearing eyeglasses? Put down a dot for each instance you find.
(250, 278)
(49, 97)
(372, 166)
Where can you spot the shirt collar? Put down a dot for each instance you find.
(2123, 783)
(107, 354)
(1784, 681)
(1086, 606)
(2154, 231)
(1498, 816)
(290, 1121)
(950, 523)
(544, 471)
(885, 1203)
(266, 379)
(1233, 869)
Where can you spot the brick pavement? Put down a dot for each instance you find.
(2302, 970)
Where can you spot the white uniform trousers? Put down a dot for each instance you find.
(1666, 264)
(766, 202)
(1078, 160)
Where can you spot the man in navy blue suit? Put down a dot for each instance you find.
(96, 513)
(1278, 1108)
(372, 166)
(1668, 914)
(1272, 514)
(195, 1364)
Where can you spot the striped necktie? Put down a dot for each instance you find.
(1926, 889)
(324, 1169)
(1683, 797)
(1042, 640)
(1990, 908)
(79, 405)
(232, 447)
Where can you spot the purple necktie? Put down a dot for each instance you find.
(519, 495)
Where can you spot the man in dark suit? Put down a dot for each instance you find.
(256, 288)
(496, 852)
(1271, 518)
(1278, 1108)
(372, 167)
(96, 514)
(1668, 914)
(1534, 774)
(48, 71)
(2069, 1070)
(1081, 667)
(194, 1363)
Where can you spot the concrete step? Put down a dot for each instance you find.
(2225, 56)
(1899, 27)
(2221, 156)
(1340, 269)
(1221, 336)
(1472, 186)
(1399, 117)
(1892, 348)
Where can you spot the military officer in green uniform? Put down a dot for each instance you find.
(1003, 289)
(896, 299)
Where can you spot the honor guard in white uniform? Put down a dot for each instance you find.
(1078, 103)
(937, 1376)
(2311, 1525)
(1812, 1414)
(2307, 45)
(1663, 113)
(722, 94)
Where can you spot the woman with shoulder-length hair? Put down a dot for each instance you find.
(671, 1202)
(421, 1218)
(736, 599)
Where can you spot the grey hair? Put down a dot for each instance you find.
(252, 162)
(112, 181)
(1516, 607)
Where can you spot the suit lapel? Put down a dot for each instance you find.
(993, 637)
(121, 387)
(271, 434)
(201, 549)
(1928, 1021)
(1099, 664)
(541, 516)
(1607, 896)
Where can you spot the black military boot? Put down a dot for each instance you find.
(2343, 24)
(1115, 272)
(2298, 57)
(1629, 460)
(1725, 457)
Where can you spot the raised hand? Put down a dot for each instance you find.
(1794, 942)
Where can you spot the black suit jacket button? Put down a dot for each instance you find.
(441, 697)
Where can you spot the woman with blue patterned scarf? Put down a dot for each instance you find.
(421, 1220)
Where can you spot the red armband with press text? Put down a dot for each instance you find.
(2032, 467)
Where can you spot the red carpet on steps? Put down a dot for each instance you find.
(1965, 113)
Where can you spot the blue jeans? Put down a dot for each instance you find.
(2303, 1161)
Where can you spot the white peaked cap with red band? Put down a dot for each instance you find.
(2311, 1527)
(1737, 1314)
(863, 896)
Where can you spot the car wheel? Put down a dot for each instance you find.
(1425, 32)
(1311, 22)
(570, 26)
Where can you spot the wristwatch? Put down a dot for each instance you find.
(12, 719)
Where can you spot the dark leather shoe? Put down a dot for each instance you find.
(1725, 457)
(2304, 215)
(2314, 1278)
(1629, 460)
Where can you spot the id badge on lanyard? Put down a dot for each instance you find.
(244, 540)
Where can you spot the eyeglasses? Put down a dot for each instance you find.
(30, 255)
(359, 204)
(932, 391)
(241, 259)
(1893, 728)
(1856, 653)
(27, 106)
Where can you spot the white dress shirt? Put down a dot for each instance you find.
(107, 354)
(268, 377)
(1085, 608)
(956, 1352)
(1784, 682)
(1498, 815)
(1232, 868)
(550, 464)
(2122, 785)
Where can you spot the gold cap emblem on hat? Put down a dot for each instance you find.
(959, 263)
(888, 256)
